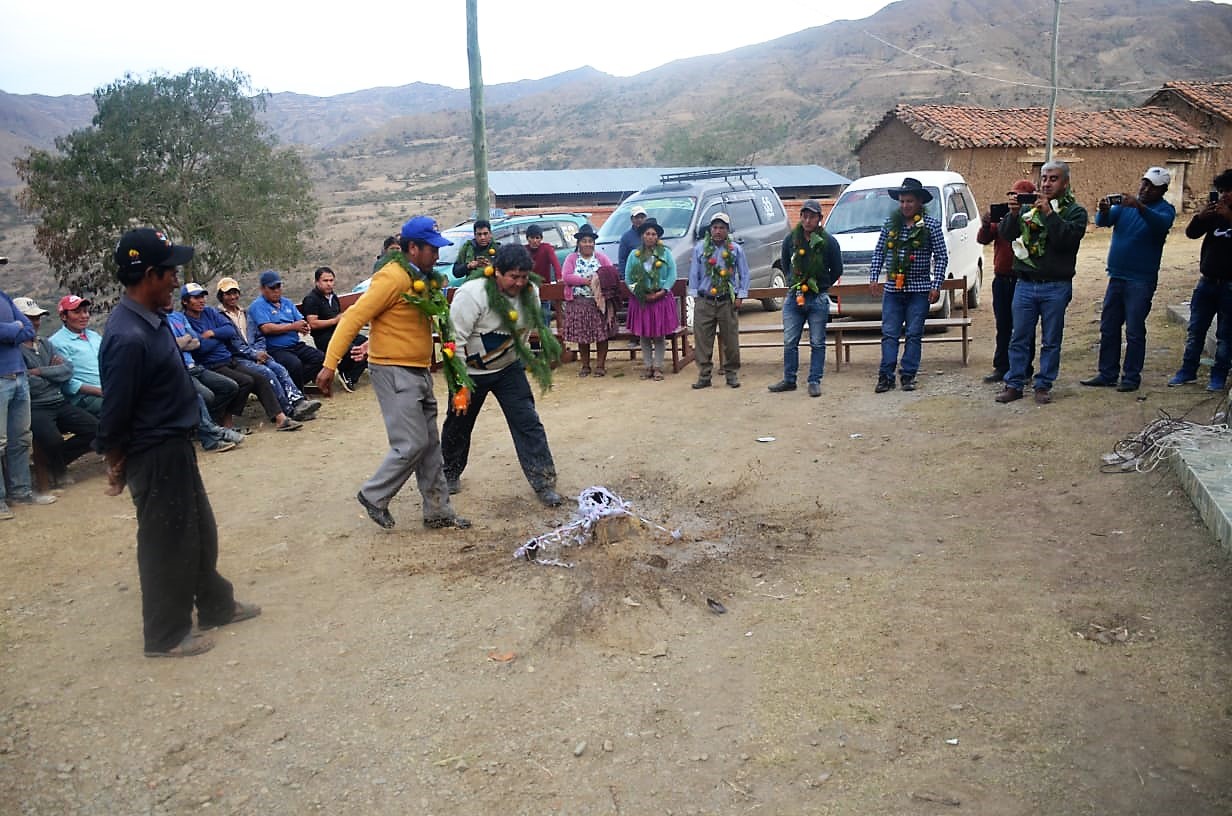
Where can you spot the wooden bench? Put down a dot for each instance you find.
(679, 342)
(843, 333)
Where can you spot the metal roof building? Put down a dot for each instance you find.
(607, 187)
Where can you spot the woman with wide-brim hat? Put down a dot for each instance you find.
(586, 321)
(650, 273)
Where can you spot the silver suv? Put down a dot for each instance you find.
(685, 203)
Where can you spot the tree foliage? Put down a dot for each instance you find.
(185, 154)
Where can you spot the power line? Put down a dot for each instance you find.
(1010, 81)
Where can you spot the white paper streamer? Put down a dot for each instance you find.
(594, 504)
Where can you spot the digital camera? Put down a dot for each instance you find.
(1115, 199)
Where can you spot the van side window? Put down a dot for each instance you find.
(770, 210)
(957, 204)
(743, 215)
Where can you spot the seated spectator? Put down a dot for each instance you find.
(213, 437)
(78, 344)
(51, 415)
(322, 311)
(224, 396)
(217, 352)
(253, 353)
(280, 322)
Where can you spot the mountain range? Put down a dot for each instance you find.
(806, 98)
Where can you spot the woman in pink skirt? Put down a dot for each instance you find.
(589, 318)
(650, 273)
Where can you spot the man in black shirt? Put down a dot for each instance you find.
(145, 431)
(322, 311)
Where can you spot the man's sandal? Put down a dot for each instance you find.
(192, 644)
(242, 612)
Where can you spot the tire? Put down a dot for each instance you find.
(777, 281)
(973, 294)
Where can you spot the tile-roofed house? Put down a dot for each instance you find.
(1107, 150)
(1206, 106)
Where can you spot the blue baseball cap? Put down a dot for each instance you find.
(422, 228)
(269, 278)
(191, 289)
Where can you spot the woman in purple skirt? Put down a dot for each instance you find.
(589, 317)
(650, 273)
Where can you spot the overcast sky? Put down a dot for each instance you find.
(323, 49)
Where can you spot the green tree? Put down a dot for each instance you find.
(183, 153)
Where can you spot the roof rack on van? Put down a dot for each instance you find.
(725, 173)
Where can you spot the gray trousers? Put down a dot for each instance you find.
(408, 406)
(709, 315)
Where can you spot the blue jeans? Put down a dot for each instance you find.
(1210, 300)
(1042, 303)
(1126, 303)
(815, 312)
(15, 434)
(901, 310)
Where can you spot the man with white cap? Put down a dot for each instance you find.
(1140, 226)
(15, 329)
(51, 415)
(632, 239)
(719, 283)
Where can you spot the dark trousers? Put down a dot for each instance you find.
(353, 368)
(221, 395)
(177, 545)
(1003, 313)
(302, 362)
(250, 384)
(49, 423)
(512, 391)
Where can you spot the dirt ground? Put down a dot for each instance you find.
(907, 579)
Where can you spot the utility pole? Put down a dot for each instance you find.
(479, 131)
(1052, 106)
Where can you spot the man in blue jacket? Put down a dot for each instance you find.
(1140, 226)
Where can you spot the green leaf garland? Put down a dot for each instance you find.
(539, 365)
(902, 241)
(721, 268)
(427, 294)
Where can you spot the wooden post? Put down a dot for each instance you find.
(479, 136)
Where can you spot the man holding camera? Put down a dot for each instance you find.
(1212, 297)
(1140, 226)
(1044, 236)
(1003, 274)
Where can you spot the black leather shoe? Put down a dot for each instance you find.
(1126, 387)
(549, 497)
(445, 522)
(884, 384)
(701, 384)
(781, 386)
(378, 514)
(908, 384)
(1097, 382)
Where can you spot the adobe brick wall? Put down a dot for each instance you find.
(990, 171)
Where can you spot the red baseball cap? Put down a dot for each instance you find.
(70, 302)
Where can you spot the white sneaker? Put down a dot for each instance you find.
(33, 498)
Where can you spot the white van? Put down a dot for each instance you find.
(856, 219)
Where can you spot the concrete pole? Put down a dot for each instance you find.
(479, 134)
(1052, 106)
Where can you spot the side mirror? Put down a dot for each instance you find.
(958, 221)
